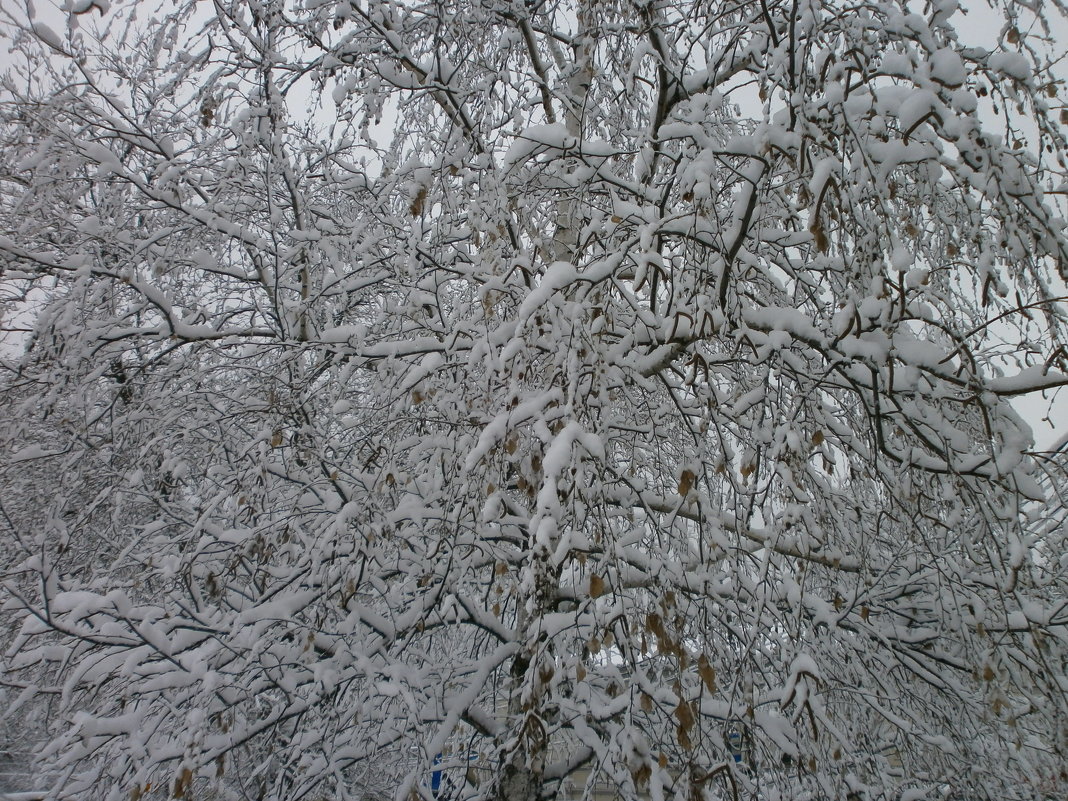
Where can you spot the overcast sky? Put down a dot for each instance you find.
(977, 24)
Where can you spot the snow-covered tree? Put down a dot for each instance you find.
(538, 395)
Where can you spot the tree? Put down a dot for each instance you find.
(536, 393)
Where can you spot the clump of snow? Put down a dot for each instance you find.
(916, 106)
(947, 67)
(1012, 65)
(901, 260)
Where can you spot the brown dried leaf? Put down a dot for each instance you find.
(182, 783)
(596, 586)
(686, 482)
(707, 673)
(417, 204)
(816, 229)
(655, 624)
(684, 715)
(641, 775)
